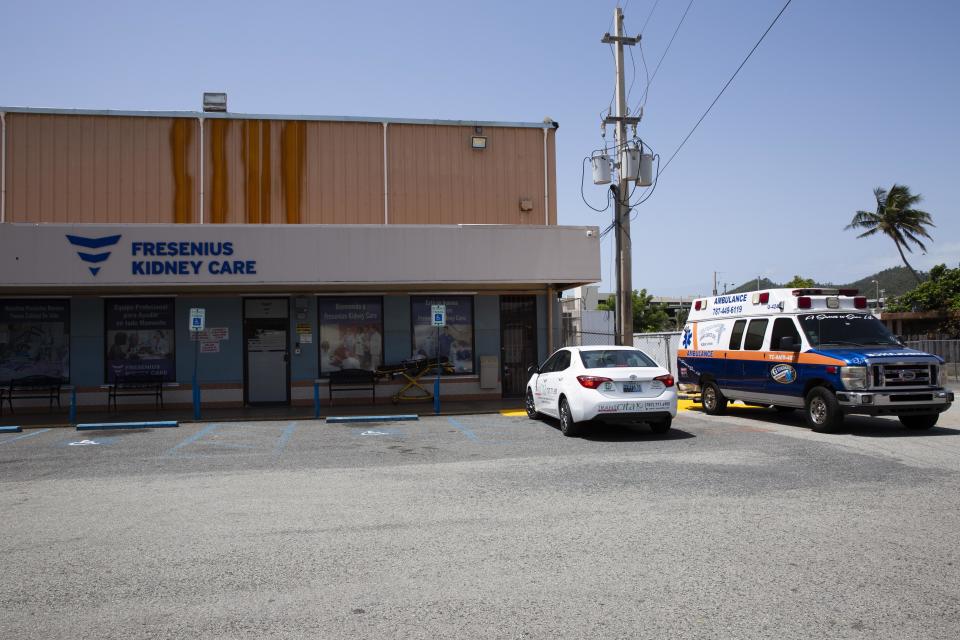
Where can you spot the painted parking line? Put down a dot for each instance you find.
(284, 438)
(210, 428)
(26, 435)
(462, 429)
(514, 413)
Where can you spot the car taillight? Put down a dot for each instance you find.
(860, 302)
(667, 380)
(803, 302)
(592, 382)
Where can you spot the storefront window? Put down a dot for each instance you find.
(351, 333)
(455, 339)
(140, 339)
(34, 339)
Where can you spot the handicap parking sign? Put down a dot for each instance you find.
(197, 317)
(439, 315)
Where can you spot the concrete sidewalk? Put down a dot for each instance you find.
(32, 417)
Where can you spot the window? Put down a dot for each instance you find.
(563, 362)
(737, 336)
(351, 333)
(783, 328)
(608, 358)
(140, 339)
(455, 339)
(34, 339)
(755, 333)
(551, 362)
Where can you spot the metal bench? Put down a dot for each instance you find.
(128, 386)
(37, 387)
(352, 380)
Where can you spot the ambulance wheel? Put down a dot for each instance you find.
(823, 410)
(530, 406)
(714, 404)
(925, 421)
(567, 426)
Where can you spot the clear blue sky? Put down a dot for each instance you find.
(840, 98)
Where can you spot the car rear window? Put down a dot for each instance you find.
(607, 358)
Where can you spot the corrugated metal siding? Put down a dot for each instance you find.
(437, 178)
(113, 169)
(100, 169)
(292, 171)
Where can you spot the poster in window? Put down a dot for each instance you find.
(140, 339)
(34, 339)
(455, 339)
(351, 333)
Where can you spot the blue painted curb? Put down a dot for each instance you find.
(399, 418)
(94, 426)
(10, 429)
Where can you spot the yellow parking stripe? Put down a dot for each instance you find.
(513, 413)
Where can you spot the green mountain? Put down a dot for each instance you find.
(894, 281)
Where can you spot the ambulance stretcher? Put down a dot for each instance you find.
(412, 371)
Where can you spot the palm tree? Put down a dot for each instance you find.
(896, 218)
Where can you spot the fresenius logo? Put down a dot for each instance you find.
(93, 243)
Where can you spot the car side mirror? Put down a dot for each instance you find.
(532, 369)
(787, 343)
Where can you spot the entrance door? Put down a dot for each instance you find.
(518, 341)
(266, 347)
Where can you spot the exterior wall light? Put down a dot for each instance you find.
(478, 142)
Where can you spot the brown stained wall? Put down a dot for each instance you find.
(436, 177)
(65, 168)
(114, 169)
(293, 171)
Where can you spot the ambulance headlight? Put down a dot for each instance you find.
(853, 377)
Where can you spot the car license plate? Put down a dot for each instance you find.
(632, 387)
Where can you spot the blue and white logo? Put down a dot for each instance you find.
(93, 243)
(783, 373)
(687, 337)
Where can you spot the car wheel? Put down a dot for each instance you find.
(662, 426)
(924, 421)
(713, 402)
(567, 426)
(782, 409)
(823, 410)
(531, 406)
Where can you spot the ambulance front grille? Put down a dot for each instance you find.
(905, 375)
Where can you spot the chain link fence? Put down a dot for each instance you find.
(662, 347)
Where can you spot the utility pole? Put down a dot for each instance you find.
(714, 283)
(622, 204)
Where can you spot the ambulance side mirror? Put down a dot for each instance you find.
(787, 343)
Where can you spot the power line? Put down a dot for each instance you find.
(643, 99)
(667, 164)
(649, 15)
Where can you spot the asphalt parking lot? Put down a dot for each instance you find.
(483, 526)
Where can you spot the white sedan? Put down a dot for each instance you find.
(610, 384)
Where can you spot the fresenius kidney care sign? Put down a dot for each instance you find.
(162, 258)
(95, 256)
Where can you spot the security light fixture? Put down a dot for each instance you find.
(215, 102)
(478, 142)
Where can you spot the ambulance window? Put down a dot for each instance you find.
(737, 336)
(755, 333)
(783, 328)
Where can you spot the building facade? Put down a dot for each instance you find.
(311, 244)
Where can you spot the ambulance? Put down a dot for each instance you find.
(817, 350)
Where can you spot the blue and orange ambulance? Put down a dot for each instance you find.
(818, 350)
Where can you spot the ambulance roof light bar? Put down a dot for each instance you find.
(816, 292)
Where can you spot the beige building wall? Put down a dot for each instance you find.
(66, 168)
(146, 169)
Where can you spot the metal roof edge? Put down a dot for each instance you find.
(262, 116)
